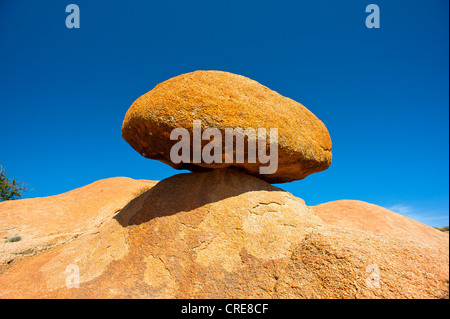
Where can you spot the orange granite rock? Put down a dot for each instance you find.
(216, 234)
(225, 100)
(369, 217)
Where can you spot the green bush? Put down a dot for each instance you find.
(13, 239)
(9, 188)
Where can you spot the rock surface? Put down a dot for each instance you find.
(216, 234)
(369, 217)
(76, 226)
(225, 100)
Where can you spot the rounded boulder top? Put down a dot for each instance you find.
(223, 100)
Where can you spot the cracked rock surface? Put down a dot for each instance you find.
(215, 234)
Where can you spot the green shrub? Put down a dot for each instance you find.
(13, 239)
(9, 188)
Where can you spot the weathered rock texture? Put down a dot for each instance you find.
(369, 217)
(225, 100)
(217, 234)
(74, 227)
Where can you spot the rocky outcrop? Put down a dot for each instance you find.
(369, 217)
(224, 100)
(80, 221)
(216, 234)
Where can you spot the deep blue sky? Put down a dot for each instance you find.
(382, 93)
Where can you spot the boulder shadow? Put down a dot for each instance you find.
(188, 191)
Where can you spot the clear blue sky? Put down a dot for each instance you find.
(382, 93)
